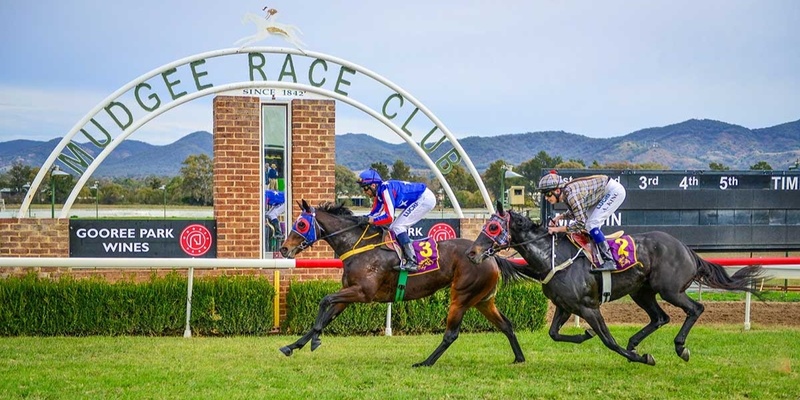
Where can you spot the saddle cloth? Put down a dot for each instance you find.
(623, 249)
(426, 250)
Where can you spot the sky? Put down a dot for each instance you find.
(483, 68)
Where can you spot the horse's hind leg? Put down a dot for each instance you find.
(646, 299)
(490, 311)
(693, 311)
(595, 320)
(560, 317)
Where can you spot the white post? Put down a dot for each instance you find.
(747, 311)
(389, 320)
(188, 332)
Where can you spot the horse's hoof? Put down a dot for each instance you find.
(684, 355)
(519, 361)
(649, 360)
(286, 351)
(422, 364)
(315, 343)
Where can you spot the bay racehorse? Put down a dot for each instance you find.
(665, 267)
(368, 275)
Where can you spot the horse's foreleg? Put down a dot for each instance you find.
(490, 311)
(560, 317)
(329, 307)
(330, 314)
(454, 317)
(595, 320)
(693, 311)
(658, 318)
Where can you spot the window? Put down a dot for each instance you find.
(275, 133)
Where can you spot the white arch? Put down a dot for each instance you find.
(242, 85)
(270, 84)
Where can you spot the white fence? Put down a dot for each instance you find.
(779, 268)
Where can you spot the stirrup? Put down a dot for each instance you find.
(608, 265)
(406, 265)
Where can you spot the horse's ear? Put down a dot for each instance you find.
(500, 208)
(304, 205)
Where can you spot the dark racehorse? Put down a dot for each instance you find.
(368, 275)
(667, 268)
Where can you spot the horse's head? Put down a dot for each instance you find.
(315, 224)
(503, 230)
(304, 232)
(494, 236)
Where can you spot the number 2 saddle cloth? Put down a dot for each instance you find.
(622, 247)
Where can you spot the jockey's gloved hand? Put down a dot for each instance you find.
(363, 220)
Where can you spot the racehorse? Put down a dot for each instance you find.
(368, 275)
(667, 268)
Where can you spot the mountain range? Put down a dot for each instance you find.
(691, 144)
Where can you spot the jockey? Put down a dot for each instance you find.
(275, 201)
(589, 200)
(414, 198)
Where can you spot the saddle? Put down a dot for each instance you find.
(623, 249)
(426, 250)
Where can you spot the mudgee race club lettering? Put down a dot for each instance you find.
(111, 246)
(146, 98)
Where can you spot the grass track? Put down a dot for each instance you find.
(726, 363)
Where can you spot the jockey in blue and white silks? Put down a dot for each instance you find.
(275, 202)
(414, 198)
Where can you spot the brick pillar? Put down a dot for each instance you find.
(313, 160)
(237, 176)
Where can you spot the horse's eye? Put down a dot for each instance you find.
(493, 228)
(301, 226)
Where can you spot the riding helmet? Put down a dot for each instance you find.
(368, 177)
(550, 181)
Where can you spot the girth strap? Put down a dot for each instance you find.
(401, 286)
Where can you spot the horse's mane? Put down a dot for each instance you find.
(523, 222)
(334, 208)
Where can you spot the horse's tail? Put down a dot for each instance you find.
(510, 271)
(714, 276)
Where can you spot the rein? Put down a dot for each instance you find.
(305, 244)
(362, 249)
(491, 251)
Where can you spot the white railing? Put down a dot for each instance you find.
(776, 267)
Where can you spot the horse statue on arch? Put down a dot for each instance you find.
(266, 27)
(368, 275)
(665, 267)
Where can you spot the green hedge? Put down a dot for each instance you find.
(220, 306)
(228, 305)
(523, 303)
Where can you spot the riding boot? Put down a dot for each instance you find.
(408, 260)
(605, 255)
(276, 226)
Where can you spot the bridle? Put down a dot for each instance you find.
(302, 226)
(499, 234)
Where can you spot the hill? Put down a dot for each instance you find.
(691, 144)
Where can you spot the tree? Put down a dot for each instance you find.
(491, 177)
(345, 184)
(198, 174)
(19, 176)
(532, 169)
(383, 169)
(400, 172)
(460, 179)
(715, 166)
(761, 166)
